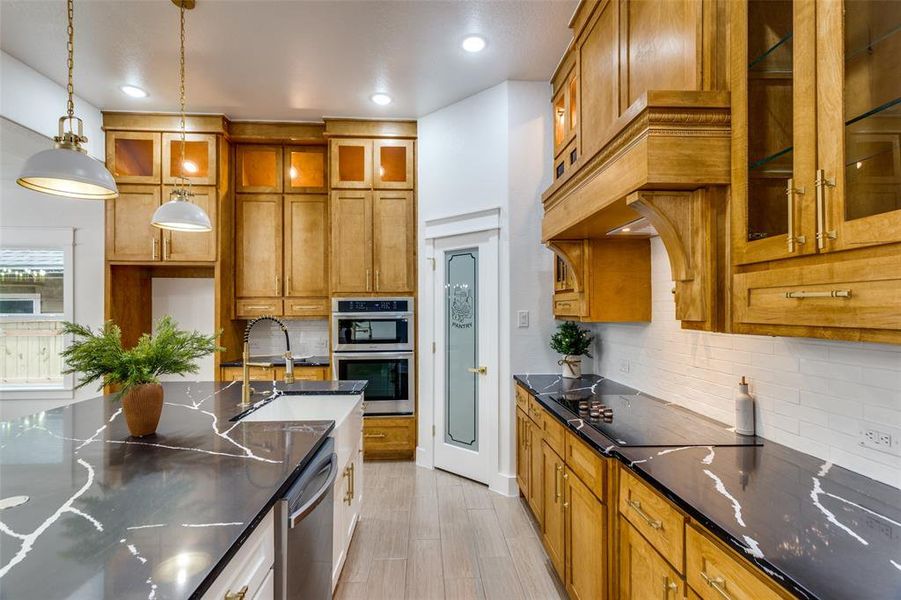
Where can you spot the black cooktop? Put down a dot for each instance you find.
(630, 418)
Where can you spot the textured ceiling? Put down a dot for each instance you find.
(289, 60)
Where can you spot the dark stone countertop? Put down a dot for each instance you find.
(819, 530)
(111, 516)
(278, 360)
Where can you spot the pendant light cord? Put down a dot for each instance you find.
(184, 178)
(70, 59)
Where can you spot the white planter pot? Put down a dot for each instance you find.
(572, 367)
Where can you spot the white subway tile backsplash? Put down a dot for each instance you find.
(309, 337)
(812, 395)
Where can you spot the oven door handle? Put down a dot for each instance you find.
(365, 355)
(312, 503)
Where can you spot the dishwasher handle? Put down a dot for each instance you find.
(312, 503)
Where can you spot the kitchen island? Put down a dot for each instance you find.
(112, 516)
(814, 529)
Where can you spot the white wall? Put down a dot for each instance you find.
(812, 395)
(190, 302)
(491, 150)
(30, 105)
(34, 101)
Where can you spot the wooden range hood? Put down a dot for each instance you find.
(669, 163)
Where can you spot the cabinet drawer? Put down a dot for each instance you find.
(535, 412)
(567, 307)
(306, 307)
(651, 514)
(553, 431)
(522, 397)
(864, 294)
(258, 307)
(250, 565)
(389, 437)
(714, 574)
(256, 373)
(590, 467)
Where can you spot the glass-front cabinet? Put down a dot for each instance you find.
(817, 126)
(197, 164)
(858, 179)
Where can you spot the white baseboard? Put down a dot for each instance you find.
(424, 458)
(505, 485)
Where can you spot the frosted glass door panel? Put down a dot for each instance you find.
(461, 337)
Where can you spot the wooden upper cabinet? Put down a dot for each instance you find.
(258, 169)
(305, 169)
(306, 245)
(351, 241)
(133, 156)
(129, 234)
(193, 246)
(642, 572)
(394, 162)
(199, 164)
(598, 51)
(858, 180)
(394, 242)
(350, 163)
(774, 137)
(586, 541)
(258, 245)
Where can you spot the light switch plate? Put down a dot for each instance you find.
(522, 317)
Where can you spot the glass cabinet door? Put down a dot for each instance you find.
(305, 168)
(393, 168)
(774, 141)
(198, 165)
(258, 169)
(133, 156)
(858, 183)
(350, 164)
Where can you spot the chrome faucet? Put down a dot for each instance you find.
(246, 390)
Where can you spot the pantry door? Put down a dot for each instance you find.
(466, 332)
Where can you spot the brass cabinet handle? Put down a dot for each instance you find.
(278, 288)
(259, 307)
(377, 286)
(304, 306)
(166, 247)
(558, 484)
(374, 435)
(353, 481)
(823, 230)
(636, 506)
(153, 244)
(718, 584)
(790, 192)
(239, 595)
(819, 294)
(368, 280)
(287, 285)
(479, 370)
(668, 586)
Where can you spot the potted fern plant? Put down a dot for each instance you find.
(135, 371)
(573, 342)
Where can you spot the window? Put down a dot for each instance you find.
(35, 299)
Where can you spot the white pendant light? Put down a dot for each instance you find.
(179, 213)
(67, 170)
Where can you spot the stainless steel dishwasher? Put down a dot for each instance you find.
(303, 568)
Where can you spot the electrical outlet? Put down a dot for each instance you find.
(882, 439)
(522, 317)
(624, 365)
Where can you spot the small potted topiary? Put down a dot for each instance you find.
(573, 342)
(135, 371)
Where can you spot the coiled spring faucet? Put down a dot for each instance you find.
(246, 390)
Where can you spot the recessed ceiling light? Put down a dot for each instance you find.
(381, 99)
(474, 43)
(134, 92)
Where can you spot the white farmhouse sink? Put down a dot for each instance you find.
(288, 407)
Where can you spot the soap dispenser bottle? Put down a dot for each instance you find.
(744, 410)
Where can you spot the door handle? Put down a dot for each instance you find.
(790, 192)
(479, 370)
(823, 231)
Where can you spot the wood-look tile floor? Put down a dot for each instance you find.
(427, 534)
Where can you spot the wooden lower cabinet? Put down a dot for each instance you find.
(586, 541)
(522, 452)
(274, 373)
(553, 530)
(643, 573)
(389, 438)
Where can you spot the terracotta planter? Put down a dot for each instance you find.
(143, 405)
